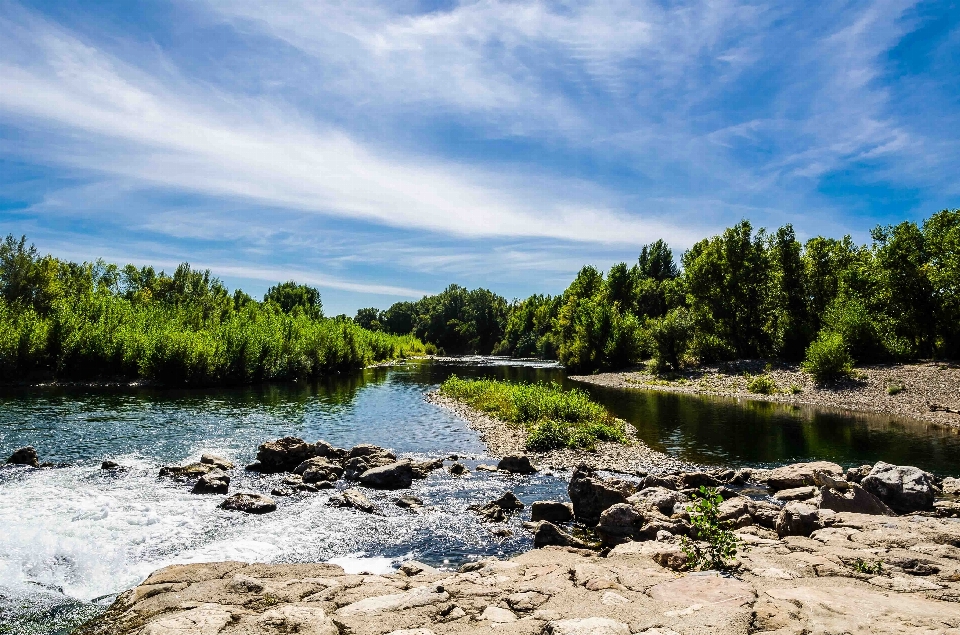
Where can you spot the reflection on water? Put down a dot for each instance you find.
(91, 533)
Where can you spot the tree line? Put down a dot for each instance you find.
(744, 293)
(84, 321)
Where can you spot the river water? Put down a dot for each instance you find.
(73, 536)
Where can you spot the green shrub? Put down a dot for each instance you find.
(714, 544)
(551, 417)
(795, 389)
(762, 385)
(671, 336)
(895, 389)
(828, 358)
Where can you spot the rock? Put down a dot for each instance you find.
(370, 450)
(766, 514)
(249, 503)
(283, 455)
(309, 487)
(554, 511)
(951, 486)
(215, 482)
(216, 461)
(798, 474)
(281, 491)
(619, 523)
(293, 618)
(459, 469)
(328, 451)
(856, 474)
(904, 488)
(591, 495)
(703, 590)
(24, 456)
(412, 568)
(526, 600)
(737, 512)
(397, 475)
(182, 472)
(418, 596)
(796, 493)
(516, 464)
(498, 615)
(352, 498)
(319, 469)
(409, 502)
(486, 468)
(587, 626)
(854, 499)
(671, 557)
(496, 511)
(549, 534)
(669, 481)
(798, 519)
(697, 480)
(660, 498)
(109, 465)
(422, 469)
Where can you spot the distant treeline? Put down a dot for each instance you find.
(742, 294)
(69, 321)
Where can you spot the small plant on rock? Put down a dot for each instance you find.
(715, 545)
(762, 385)
(862, 566)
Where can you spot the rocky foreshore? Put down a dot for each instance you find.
(928, 392)
(822, 551)
(502, 439)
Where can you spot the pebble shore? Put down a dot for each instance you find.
(912, 391)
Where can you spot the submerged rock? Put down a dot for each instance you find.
(497, 511)
(422, 469)
(354, 499)
(24, 456)
(215, 482)
(904, 488)
(409, 502)
(249, 503)
(459, 469)
(109, 465)
(191, 470)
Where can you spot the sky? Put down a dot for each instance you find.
(383, 150)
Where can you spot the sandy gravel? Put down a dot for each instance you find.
(923, 385)
(503, 439)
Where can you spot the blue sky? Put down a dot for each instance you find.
(380, 151)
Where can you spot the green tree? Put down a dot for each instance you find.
(290, 296)
(368, 318)
(942, 237)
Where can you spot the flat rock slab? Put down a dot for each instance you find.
(704, 589)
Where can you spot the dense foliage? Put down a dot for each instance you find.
(551, 417)
(741, 294)
(93, 320)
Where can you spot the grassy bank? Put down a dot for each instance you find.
(551, 417)
(104, 336)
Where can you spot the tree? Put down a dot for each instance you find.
(656, 262)
(290, 296)
(942, 236)
(368, 318)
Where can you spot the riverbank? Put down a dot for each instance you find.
(503, 439)
(928, 392)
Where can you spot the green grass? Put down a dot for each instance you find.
(102, 336)
(552, 417)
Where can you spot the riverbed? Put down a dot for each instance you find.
(74, 535)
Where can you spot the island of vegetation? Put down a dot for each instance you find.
(95, 321)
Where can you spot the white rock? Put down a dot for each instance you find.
(587, 626)
(498, 615)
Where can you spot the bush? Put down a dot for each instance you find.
(828, 358)
(762, 385)
(715, 543)
(551, 417)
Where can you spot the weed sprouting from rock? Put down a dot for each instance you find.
(714, 545)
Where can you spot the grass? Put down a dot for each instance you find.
(551, 417)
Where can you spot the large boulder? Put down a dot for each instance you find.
(396, 475)
(592, 495)
(249, 503)
(904, 488)
(799, 475)
(318, 469)
(215, 482)
(661, 498)
(547, 534)
(554, 511)
(853, 499)
(798, 519)
(619, 523)
(24, 456)
(516, 464)
(283, 455)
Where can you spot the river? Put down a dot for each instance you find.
(73, 536)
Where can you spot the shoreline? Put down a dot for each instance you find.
(923, 385)
(502, 439)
